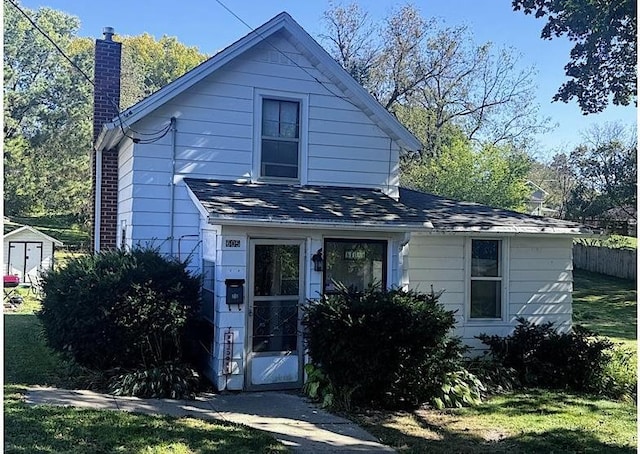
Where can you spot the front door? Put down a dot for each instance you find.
(276, 292)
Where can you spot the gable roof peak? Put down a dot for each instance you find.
(113, 132)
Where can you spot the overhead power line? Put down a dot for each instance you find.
(154, 136)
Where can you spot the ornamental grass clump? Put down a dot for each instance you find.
(126, 311)
(388, 348)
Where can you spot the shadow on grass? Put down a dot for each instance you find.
(57, 429)
(604, 304)
(463, 441)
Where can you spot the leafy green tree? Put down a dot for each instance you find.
(149, 64)
(492, 175)
(603, 62)
(48, 106)
(606, 169)
(47, 109)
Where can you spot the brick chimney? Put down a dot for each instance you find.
(106, 105)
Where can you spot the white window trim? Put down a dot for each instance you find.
(504, 295)
(258, 95)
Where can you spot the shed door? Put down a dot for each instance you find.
(25, 259)
(275, 357)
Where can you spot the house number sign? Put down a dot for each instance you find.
(232, 243)
(227, 365)
(356, 254)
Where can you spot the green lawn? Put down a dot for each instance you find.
(535, 421)
(606, 305)
(49, 429)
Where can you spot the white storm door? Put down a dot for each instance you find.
(276, 293)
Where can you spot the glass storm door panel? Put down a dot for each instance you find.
(276, 292)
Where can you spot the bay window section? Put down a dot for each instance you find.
(486, 279)
(354, 264)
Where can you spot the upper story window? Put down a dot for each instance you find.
(486, 279)
(280, 139)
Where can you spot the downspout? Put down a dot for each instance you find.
(97, 202)
(172, 207)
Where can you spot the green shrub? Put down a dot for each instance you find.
(174, 381)
(125, 309)
(495, 377)
(620, 378)
(543, 357)
(382, 347)
(459, 388)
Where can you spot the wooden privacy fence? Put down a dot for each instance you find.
(612, 262)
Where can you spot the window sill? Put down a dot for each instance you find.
(276, 180)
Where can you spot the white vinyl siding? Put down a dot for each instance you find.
(538, 286)
(216, 139)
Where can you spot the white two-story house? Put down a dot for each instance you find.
(276, 175)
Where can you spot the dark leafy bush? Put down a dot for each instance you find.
(174, 381)
(543, 357)
(387, 347)
(125, 309)
(495, 377)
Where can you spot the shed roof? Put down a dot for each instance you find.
(14, 232)
(113, 132)
(339, 207)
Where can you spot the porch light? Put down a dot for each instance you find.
(317, 260)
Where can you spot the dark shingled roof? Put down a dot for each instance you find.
(452, 215)
(303, 204)
(226, 200)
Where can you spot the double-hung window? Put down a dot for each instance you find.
(280, 139)
(486, 279)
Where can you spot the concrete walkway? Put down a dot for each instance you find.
(298, 424)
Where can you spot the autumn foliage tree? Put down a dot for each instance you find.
(433, 77)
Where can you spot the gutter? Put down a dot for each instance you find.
(172, 183)
(302, 224)
(531, 231)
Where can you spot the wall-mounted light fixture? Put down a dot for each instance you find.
(317, 260)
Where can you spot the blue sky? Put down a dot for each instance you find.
(208, 26)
